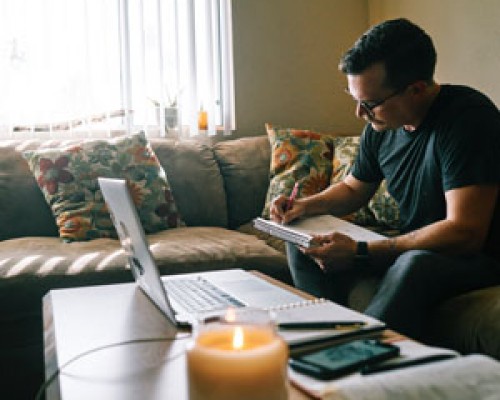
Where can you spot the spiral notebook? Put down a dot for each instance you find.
(322, 310)
(301, 230)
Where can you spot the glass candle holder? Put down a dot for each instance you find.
(237, 355)
(171, 119)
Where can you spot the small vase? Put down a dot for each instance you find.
(171, 119)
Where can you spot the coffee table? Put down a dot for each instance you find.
(79, 319)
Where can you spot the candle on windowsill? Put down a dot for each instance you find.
(238, 357)
(202, 120)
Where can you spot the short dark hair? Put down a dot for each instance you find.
(405, 49)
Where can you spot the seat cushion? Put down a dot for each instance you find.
(469, 323)
(30, 267)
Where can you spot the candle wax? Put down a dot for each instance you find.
(256, 370)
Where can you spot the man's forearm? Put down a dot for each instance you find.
(442, 236)
(338, 199)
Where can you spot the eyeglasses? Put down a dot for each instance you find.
(368, 106)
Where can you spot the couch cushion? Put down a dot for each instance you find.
(68, 175)
(298, 156)
(244, 165)
(29, 267)
(23, 209)
(469, 323)
(270, 240)
(196, 181)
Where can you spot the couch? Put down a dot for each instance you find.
(219, 188)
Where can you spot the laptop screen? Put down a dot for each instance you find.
(134, 242)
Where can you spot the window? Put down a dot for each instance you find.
(85, 66)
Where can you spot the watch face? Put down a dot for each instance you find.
(362, 249)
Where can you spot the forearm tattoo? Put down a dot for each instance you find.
(392, 244)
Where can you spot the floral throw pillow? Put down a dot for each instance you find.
(298, 156)
(68, 176)
(382, 210)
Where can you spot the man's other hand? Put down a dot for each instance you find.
(335, 252)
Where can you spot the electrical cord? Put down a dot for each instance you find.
(59, 370)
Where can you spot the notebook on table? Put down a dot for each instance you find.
(184, 298)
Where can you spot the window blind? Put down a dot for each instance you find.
(101, 67)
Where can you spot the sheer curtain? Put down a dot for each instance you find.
(107, 66)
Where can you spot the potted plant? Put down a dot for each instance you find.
(171, 112)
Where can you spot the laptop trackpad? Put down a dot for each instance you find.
(257, 293)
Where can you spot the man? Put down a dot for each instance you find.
(438, 147)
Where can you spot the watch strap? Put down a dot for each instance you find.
(362, 257)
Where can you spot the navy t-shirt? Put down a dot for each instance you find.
(457, 145)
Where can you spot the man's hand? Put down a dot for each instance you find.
(335, 252)
(280, 213)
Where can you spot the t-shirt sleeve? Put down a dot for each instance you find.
(469, 150)
(366, 167)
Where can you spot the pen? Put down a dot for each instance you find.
(373, 369)
(292, 197)
(321, 325)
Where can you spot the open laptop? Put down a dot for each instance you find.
(183, 298)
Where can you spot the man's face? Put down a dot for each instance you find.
(384, 108)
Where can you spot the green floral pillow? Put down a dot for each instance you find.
(382, 210)
(298, 156)
(67, 177)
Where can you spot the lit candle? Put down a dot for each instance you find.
(202, 120)
(237, 361)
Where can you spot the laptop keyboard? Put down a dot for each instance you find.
(199, 295)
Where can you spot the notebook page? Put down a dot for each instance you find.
(462, 378)
(324, 224)
(453, 379)
(324, 311)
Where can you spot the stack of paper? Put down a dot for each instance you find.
(460, 378)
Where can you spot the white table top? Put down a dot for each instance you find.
(77, 320)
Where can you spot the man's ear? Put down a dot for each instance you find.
(418, 87)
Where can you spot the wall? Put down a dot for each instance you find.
(466, 34)
(286, 54)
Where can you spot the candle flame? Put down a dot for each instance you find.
(238, 338)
